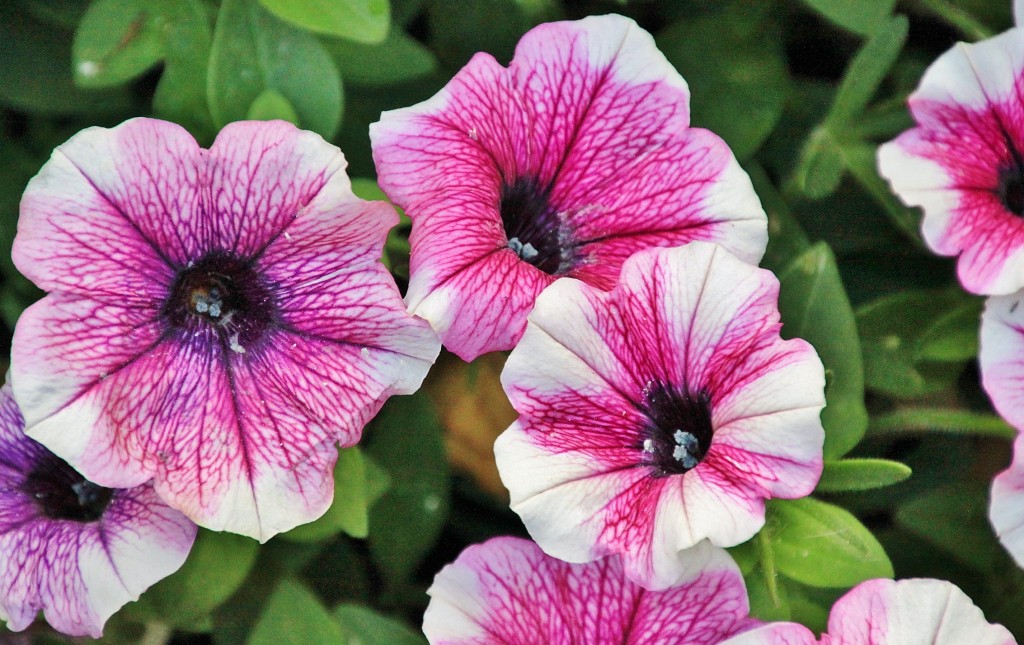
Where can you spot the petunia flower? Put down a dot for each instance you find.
(884, 612)
(72, 549)
(1002, 373)
(964, 162)
(507, 590)
(659, 414)
(563, 164)
(217, 319)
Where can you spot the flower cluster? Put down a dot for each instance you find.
(963, 164)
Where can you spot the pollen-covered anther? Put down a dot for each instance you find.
(685, 451)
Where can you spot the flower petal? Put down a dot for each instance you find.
(590, 123)
(506, 590)
(970, 134)
(1006, 510)
(579, 463)
(916, 611)
(1000, 355)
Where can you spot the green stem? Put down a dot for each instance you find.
(156, 633)
(767, 560)
(967, 24)
(952, 421)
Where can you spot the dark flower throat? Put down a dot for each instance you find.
(61, 493)
(535, 230)
(679, 432)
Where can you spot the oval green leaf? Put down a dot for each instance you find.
(294, 615)
(253, 51)
(822, 545)
(364, 21)
(348, 510)
(814, 307)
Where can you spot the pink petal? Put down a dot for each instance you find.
(590, 380)
(589, 127)
(999, 355)
(956, 162)
(1006, 510)
(917, 611)
(78, 572)
(774, 634)
(506, 590)
(261, 331)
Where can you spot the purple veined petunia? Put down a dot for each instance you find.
(1002, 374)
(659, 414)
(217, 319)
(963, 163)
(69, 548)
(565, 163)
(886, 612)
(507, 591)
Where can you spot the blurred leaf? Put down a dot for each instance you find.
(786, 238)
(954, 335)
(861, 474)
(820, 165)
(406, 521)
(737, 77)
(253, 51)
(181, 93)
(822, 545)
(215, 569)
(860, 161)
(397, 59)
(118, 40)
(270, 105)
(367, 626)
(364, 21)
(868, 68)
(814, 307)
(941, 420)
(36, 72)
(891, 330)
(348, 511)
(954, 518)
(859, 16)
(62, 13)
(294, 615)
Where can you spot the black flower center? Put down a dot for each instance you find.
(679, 433)
(1011, 189)
(221, 293)
(61, 493)
(536, 231)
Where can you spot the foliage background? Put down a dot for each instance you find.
(803, 90)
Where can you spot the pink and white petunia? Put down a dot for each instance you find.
(964, 162)
(565, 163)
(1002, 374)
(886, 612)
(507, 590)
(69, 548)
(218, 320)
(659, 414)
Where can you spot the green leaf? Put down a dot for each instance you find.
(860, 159)
(859, 16)
(950, 421)
(814, 307)
(118, 40)
(820, 165)
(181, 93)
(954, 336)
(295, 615)
(215, 569)
(738, 78)
(270, 105)
(253, 51)
(822, 545)
(399, 58)
(367, 626)
(65, 14)
(768, 601)
(493, 26)
(36, 76)
(786, 238)
(348, 511)
(406, 521)
(364, 21)
(954, 518)
(867, 70)
(861, 474)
